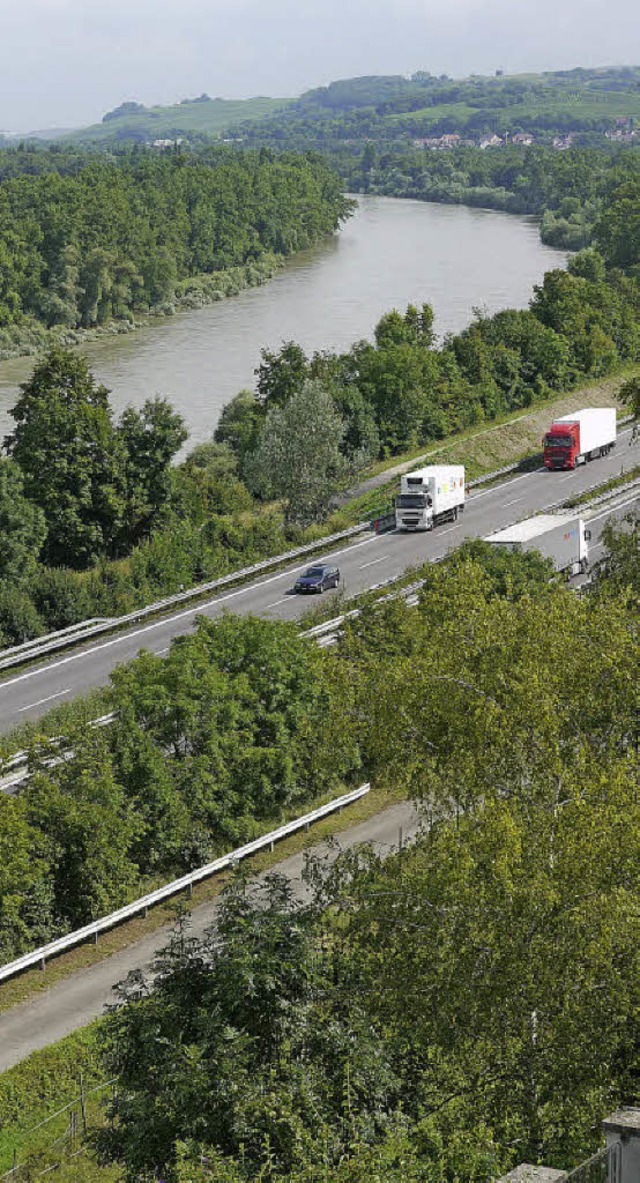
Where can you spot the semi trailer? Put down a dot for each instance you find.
(562, 538)
(429, 496)
(573, 439)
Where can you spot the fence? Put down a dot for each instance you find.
(185, 883)
(603, 1167)
(77, 1126)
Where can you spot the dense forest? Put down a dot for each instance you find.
(568, 191)
(80, 246)
(122, 526)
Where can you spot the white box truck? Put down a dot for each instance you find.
(429, 496)
(573, 439)
(559, 537)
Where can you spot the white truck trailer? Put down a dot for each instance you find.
(573, 439)
(559, 537)
(429, 496)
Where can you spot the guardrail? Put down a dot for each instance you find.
(17, 765)
(185, 883)
(56, 641)
(53, 642)
(325, 634)
(61, 634)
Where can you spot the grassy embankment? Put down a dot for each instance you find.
(508, 440)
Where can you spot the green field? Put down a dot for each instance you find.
(210, 117)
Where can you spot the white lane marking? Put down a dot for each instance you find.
(503, 484)
(441, 533)
(565, 478)
(372, 561)
(231, 595)
(514, 502)
(473, 496)
(197, 610)
(40, 701)
(284, 600)
(159, 652)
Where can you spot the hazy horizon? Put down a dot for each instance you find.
(64, 63)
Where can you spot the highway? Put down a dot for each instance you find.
(363, 564)
(77, 999)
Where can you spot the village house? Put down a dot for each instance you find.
(493, 141)
(561, 143)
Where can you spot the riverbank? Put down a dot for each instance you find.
(389, 254)
(33, 338)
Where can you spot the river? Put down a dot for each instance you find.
(391, 253)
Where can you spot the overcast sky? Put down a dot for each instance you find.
(66, 62)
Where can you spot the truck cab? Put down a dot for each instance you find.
(562, 445)
(429, 496)
(414, 506)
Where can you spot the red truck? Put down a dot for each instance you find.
(581, 436)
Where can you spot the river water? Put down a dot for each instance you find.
(391, 253)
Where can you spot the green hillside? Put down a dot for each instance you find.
(393, 108)
(389, 108)
(203, 116)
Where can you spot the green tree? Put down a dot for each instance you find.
(240, 423)
(65, 444)
(299, 457)
(150, 439)
(281, 375)
(247, 1049)
(87, 829)
(22, 527)
(629, 394)
(26, 903)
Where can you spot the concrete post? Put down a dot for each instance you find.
(623, 1128)
(525, 1173)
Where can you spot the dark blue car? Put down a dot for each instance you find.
(318, 579)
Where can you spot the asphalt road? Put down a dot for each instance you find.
(363, 564)
(81, 997)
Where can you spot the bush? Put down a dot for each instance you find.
(19, 618)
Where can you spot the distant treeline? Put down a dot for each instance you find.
(568, 190)
(94, 238)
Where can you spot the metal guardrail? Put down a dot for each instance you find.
(325, 634)
(56, 641)
(603, 1167)
(585, 507)
(18, 764)
(186, 882)
(60, 634)
(31, 650)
